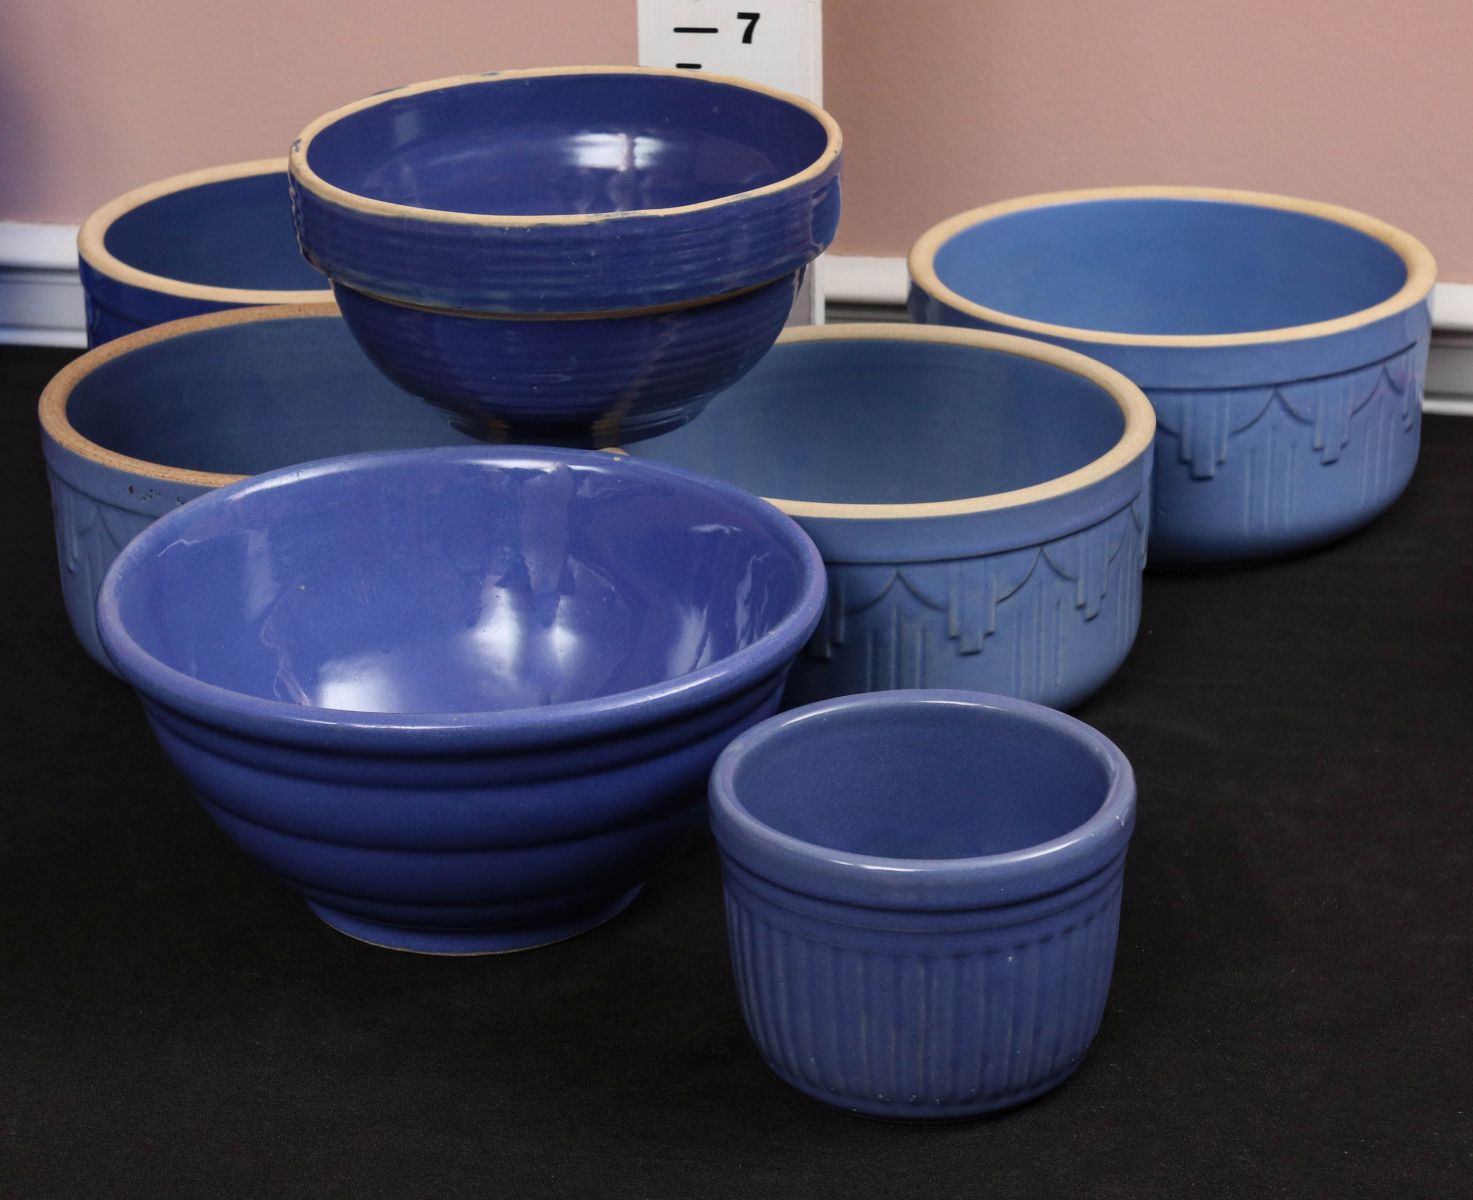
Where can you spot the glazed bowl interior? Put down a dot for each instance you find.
(246, 396)
(457, 581)
(929, 781)
(555, 145)
(234, 233)
(1164, 266)
(879, 420)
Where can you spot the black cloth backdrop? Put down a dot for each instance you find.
(1290, 1013)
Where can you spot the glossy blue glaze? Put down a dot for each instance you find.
(191, 239)
(589, 382)
(466, 220)
(1298, 428)
(586, 192)
(236, 395)
(1039, 599)
(922, 896)
(462, 698)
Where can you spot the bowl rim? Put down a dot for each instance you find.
(56, 423)
(431, 732)
(1135, 438)
(978, 881)
(303, 174)
(92, 240)
(1421, 267)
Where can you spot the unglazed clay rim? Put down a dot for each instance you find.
(1420, 266)
(53, 406)
(412, 733)
(92, 241)
(1115, 809)
(1135, 439)
(303, 173)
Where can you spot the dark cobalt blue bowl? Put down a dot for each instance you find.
(981, 503)
(140, 426)
(464, 699)
(923, 896)
(1283, 343)
(196, 243)
(587, 253)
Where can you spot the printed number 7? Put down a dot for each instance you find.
(751, 19)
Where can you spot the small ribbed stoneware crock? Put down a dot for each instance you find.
(1283, 343)
(981, 503)
(135, 428)
(923, 896)
(464, 698)
(578, 254)
(200, 242)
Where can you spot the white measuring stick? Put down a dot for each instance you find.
(776, 42)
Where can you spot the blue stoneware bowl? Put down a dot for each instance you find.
(197, 243)
(580, 254)
(980, 502)
(922, 896)
(137, 427)
(463, 698)
(1283, 343)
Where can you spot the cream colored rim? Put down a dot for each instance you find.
(1420, 266)
(1135, 439)
(309, 179)
(92, 241)
(53, 406)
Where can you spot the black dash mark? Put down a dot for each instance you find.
(689, 66)
(696, 29)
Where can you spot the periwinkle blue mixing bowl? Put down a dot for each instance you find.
(981, 503)
(200, 242)
(1283, 343)
(138, 427)
(922, 896)
(579, 254)
(463, 698)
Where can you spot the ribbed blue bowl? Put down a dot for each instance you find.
(571, 254)
(201, 242)
(1283, 343)
(981, 503)
(923, 896)
(463, 699)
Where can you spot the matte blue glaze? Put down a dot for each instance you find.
(239, 397)
(628, 199)
(923, 896)
(1264, 447)
(462, 698)
(1039, 600)
(643, 154)
(231, 233)
(590, 382)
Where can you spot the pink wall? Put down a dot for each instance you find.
(945, 103)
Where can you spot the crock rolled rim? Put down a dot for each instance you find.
(1421, 267)
(92, 240)
(305, 176)
(57, 425)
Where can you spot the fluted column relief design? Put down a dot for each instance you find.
(1361, 427)
(871, 1027)
(1029, 612)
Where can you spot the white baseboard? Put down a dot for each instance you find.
(41, 303)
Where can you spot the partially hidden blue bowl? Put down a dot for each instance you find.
(463, 699)
(201, 242)
(981, 503)
(135, 428)
(1283, 343)
(579, 254)
(923, 896)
